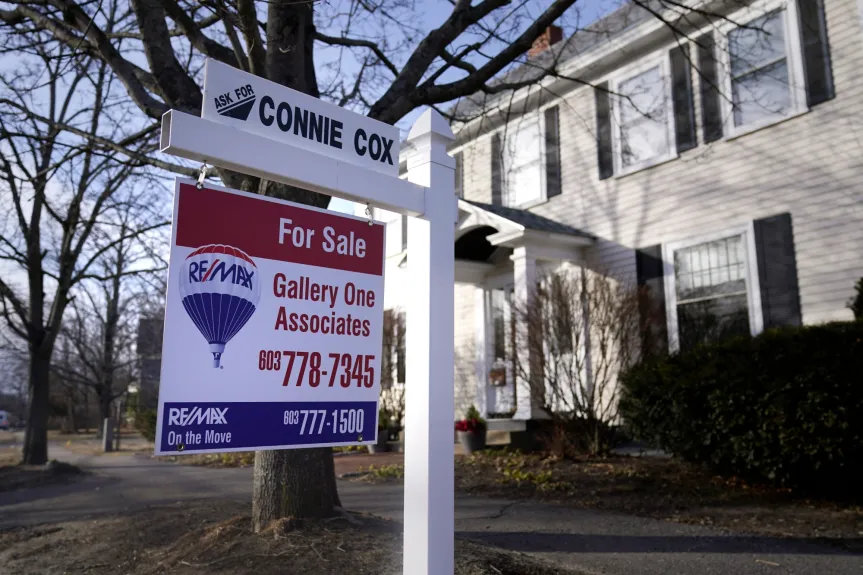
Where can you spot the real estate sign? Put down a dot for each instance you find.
(273, 325)
(256, 105)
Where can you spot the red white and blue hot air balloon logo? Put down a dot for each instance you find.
(220, 288)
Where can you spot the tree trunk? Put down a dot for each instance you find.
(104, 407)
(36, 437)
(294, 483)
(299, 482)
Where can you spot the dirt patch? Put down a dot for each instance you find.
(14, 476)
(664, 489)
(214, 537)
(229, 459)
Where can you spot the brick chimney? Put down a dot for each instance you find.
(552, 35)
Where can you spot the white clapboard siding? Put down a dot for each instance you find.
(810, 166)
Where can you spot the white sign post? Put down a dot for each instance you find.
(429, 198)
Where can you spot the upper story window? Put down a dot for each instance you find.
(764, 69)
(759, 70)
(644, 127)
(526, 161)
(522, 163)
(765, 63)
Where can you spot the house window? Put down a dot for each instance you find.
(643, 118)
(712, 289)
(389, 344)
(522, 163)
(764, 68)
(503, 361)
(561, 295)
(459, 174)
(401, 353)
(499, 309)
(393, 355)
(643, 109)
(759, 70)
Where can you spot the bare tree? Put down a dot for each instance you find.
(398, 68)
(101, 328)
(58, 186)
(300, 482)
(576, 331)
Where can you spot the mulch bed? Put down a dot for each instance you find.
(214, 537)
(665, 489)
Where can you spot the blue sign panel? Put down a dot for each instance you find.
(192, 427)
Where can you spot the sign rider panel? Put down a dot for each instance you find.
(256, 105)
(273, 325)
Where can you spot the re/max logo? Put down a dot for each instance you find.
(183, 416)
(201, 271)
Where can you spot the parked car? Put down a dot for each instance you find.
(4, 420)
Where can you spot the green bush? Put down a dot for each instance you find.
(855, 304)
(145, 422)
(785, 407)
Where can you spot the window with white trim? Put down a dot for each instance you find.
(643, 118)
(712, 289)
(643, 111)
(764, 69)
(500, 318)
(524, 177)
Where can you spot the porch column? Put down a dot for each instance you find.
(524, 275)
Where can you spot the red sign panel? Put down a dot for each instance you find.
(289, 233)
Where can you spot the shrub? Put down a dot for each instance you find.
(855, 304)
(783, 407)
(145, 422)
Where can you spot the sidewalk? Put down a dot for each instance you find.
(587, 541)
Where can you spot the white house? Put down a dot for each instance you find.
(719, 163)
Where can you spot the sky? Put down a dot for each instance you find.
(436, 12)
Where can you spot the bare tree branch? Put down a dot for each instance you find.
(197, 38)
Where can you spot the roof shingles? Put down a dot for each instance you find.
(530, 220)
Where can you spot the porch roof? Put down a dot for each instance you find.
(529, 220)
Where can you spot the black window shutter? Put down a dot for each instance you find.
(404, 233)
(650, 272)
(711, 103)
(496, 172)
(681, 93)
(552, 152)
(605, 152)
(816, 52)
(777, 271)
(459, 174)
